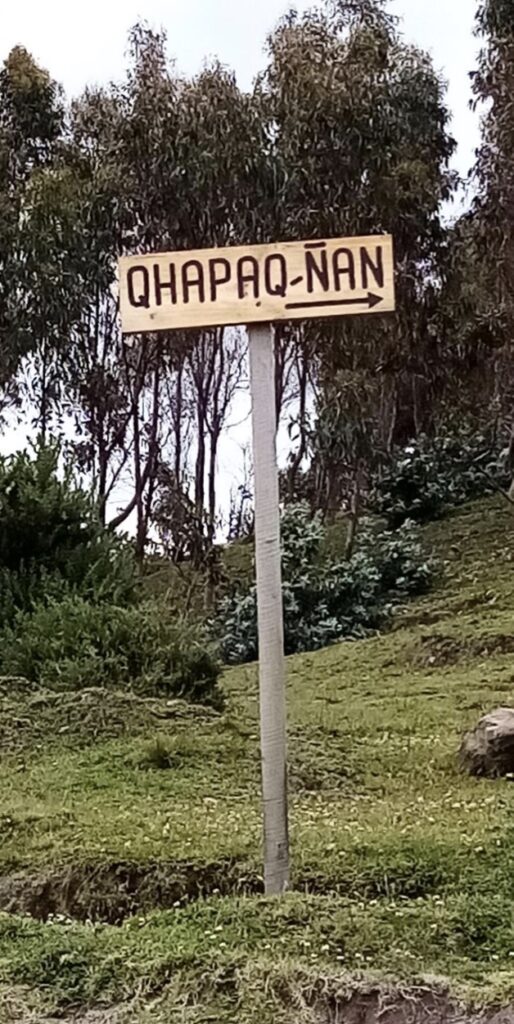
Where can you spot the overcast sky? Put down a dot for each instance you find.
(85, 42)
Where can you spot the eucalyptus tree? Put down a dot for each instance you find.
(158, 163)
(221, 145)
(358, 128)
(494, 176)
(32, 278)
(116, 387)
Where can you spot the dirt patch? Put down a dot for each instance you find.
(438, 651)
(421, 1005)
(110, 893)
(107, 1016)
(45, 717)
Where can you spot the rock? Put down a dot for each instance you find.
(488, 750)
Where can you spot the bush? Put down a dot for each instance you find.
(326, 600)
(51, 540)
(72, 644)
(432, 475)
(158, 755)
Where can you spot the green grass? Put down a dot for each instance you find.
(402, 866)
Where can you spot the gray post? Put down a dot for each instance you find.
(269, 600)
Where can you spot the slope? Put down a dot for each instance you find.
(131, 830)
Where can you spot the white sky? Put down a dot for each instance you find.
(85, 42)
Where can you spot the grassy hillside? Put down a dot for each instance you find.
(131, 829)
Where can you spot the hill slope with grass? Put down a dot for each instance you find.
(130, 856)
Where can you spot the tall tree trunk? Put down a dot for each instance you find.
(145, 479)
(43, 411)
(103, 463)
(138, 486)
(302, 424)
(331, 491)
(354, 514)
(212, 562)
(177, 427)
(211, 487)
(510, 463)
(200, 465)
(199, 484)
(404, 428)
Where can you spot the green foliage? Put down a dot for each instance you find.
(67, 590)
(73, 644)
(51, 539)
(359, 125)
(493, 86)
(495, 17)
(326, 599)
(346, 127)
(31, 130)
(32, 112)
(433, 475)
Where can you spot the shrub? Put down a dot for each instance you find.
(52, 542)
(165, 752)
(72, 644)
(432, 475)
(158, 755)
(326, 600)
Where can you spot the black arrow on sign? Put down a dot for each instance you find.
(370, 300)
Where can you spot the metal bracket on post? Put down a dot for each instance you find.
(270, 613)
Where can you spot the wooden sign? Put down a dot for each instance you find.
(247, 285)
(244, 285)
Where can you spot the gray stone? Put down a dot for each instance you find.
(488, 750)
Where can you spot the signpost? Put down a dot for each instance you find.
(256, 285)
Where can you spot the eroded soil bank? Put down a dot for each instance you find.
(109, 893)
(378, 1005)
